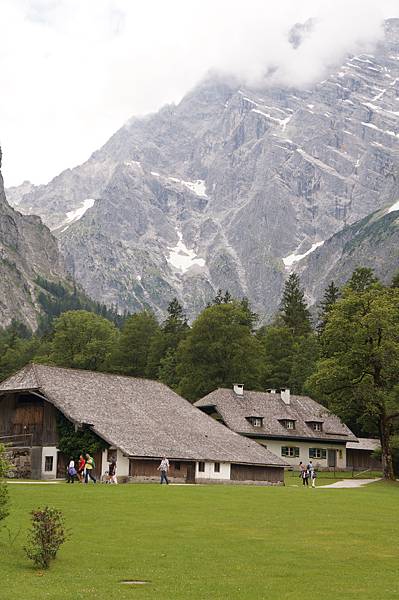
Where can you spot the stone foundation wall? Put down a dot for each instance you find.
(21, 461)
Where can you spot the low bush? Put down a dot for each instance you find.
(46, 536)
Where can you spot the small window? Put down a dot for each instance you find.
(317, 453)
(201, 467)
(48, 463)
(340, 454)
(288, 424)
(290, 451)
(317, 426)
(255, 421)
(177, 466)
(111, 454)
(216, 467)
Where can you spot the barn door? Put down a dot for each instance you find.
(190, 472)
(332, 458)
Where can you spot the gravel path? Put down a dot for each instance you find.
(349, 483)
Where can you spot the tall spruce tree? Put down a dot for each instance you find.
(165, 342)
(277, 349)
(294, 311)
(131, 353)
(331, 295)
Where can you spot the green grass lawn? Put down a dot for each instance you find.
(209, 543)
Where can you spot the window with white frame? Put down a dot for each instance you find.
(317, 426)
(48, 463)
(289, 424)
(290, 451)
(216, 467)
(255, 421)
(317, 453)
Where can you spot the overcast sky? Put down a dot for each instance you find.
(73, 71)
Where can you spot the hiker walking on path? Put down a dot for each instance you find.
(71, 471)
(90, 465)
(81, 468)
(164, 468)
(313, 476)
(304, 474)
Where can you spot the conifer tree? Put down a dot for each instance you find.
(165, 342)
(294, 311)
(331, 295)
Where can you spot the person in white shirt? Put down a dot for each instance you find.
(164, 468)
(71, 471)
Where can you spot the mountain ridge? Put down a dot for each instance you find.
(235, 179)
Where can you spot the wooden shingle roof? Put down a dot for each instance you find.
(369, 444)
(235, 409)
(143, 418)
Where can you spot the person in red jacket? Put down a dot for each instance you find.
(81, 468)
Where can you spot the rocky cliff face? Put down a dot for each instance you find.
(27, 249)
(229, 188)
(371, 242)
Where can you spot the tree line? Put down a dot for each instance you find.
(347, 356)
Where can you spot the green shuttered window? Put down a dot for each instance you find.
(317, 453)
(291, 451)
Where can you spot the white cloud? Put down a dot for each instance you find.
(73, 71)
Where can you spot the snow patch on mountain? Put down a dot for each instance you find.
(394, 207)
(74, 215)
(294, 258)
(181, 257)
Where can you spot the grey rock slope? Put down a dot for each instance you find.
(371, 242)
(27, 249)
(230, 187)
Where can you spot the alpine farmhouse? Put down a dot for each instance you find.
(139, 420)
(294, 428)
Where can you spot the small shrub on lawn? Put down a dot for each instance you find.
(46, 536)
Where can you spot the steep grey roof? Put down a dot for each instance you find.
(235, 409)
(364, 444)
(141, 417)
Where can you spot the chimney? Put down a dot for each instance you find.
(285, 396)
(271, 391)
(238, 389)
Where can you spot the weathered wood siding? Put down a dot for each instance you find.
(26, 414)
(255, 473)
(148, 469)
(362, 459)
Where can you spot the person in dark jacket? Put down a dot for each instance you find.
(112, 472)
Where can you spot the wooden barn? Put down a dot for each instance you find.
(361, 456)
(139, 420)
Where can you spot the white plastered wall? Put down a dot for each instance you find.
(276, 445)
(209, 472)
(122, 464)
(49, 451)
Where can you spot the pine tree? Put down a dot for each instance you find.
(331, 295)
(294, 311)
(166, 340)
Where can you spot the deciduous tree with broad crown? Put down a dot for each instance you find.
(358, 374)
